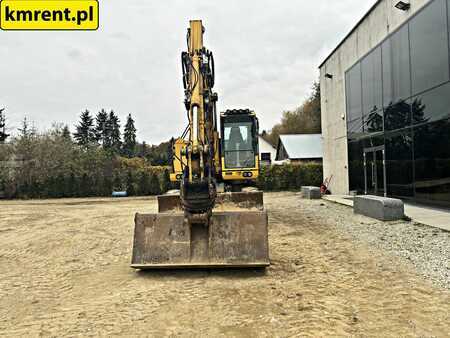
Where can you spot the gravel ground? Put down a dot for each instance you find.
(64, 267)
(425, 247)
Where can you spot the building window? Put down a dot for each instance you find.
(371, 82)
(432, 105)
(397, 115)
(373, 122)
(354, 129)
(356, 166)
(448, 16)
(386, 56)
(354, 103)
(432, 169)
(399, 163)
(373, 141)
(429, 47)
(400, 64)
(266, 157)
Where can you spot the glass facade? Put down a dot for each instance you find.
(398, 111)
(429, 47)
(400, 65)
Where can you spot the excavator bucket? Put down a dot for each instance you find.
(234, 238)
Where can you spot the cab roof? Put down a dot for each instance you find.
(237, 112)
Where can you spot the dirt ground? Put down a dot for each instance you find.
(64, 271)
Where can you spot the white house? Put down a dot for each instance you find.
(267, 151)
(300, 148)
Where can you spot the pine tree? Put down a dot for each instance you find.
(3, 134)
(114, 129)
(26, 131)
(101, 128)
(85, 134)
(66, 133)
(129, 137)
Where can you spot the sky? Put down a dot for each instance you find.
(267, 54)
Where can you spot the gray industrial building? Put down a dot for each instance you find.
(386, 104)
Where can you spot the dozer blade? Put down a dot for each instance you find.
(232, 239)
(240, 200)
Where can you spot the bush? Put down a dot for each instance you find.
(290, 177)
(50, 166)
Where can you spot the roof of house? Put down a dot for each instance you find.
(302, 146)
(351, 32)
(263, 139)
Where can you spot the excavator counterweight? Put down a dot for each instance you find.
(199, 227)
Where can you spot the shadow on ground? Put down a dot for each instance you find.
(231, 273)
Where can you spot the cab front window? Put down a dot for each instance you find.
(239, 145)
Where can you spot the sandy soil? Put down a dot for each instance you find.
(64, 268)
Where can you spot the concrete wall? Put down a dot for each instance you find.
(383, 20)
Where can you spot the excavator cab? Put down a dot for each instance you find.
(240, 159)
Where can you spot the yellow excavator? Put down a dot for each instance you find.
(236, 153)
(203, 227)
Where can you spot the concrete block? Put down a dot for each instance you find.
(311, 193)
(381, 208)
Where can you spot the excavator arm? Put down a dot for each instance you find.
(198, 185)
